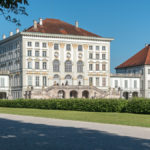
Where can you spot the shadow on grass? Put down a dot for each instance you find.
(15, 135)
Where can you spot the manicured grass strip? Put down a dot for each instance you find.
(100, 117)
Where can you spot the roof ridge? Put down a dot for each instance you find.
(140, 58)
(53, 26)
(148, 51)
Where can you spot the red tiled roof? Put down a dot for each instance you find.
(141, 58)
(55, 26)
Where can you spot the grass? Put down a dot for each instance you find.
(100, 117)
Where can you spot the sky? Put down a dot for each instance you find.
(127, 21)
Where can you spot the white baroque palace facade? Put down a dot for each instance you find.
(128, 85)
(139, 64)
(54, 59)
(4, 85)
(57, 59)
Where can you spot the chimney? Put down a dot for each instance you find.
(41, 21)
(11, 33)
(147, 44)
(77, 24)
(35, 24)
(4, 36)
(17, 30)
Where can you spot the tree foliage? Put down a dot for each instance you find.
(13, 7)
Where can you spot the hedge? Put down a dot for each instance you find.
(91, 105)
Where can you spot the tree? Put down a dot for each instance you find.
(13, 7)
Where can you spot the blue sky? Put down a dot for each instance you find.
(127, 21)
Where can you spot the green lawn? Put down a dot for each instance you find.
(112, 118)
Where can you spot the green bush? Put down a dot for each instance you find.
(140, 106)
(92, 105)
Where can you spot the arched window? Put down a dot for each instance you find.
(79, 66)
(56, 76)
(80, 80)
(56, 79)
(68, 66)
(56, 66)
(68, 80)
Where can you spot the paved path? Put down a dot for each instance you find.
(27, 133)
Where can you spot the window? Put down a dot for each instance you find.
(37, 53)
(29, 80)
(97, 81)
(97, 67)
(68, 80)
(148, 71)
(37, 65)
(37, 81)
(36, 44)
(79, 47)
(103, 56)
(56, 46)
(29, 44)
(44, 81)
(79, 66)
(90, 47)
(142, 84)
(56, 66)
(97, 47)
(142, 72)
(29, 65)
(103, 67)
(44, 65)
(116, 83)
(44, 53)
(135, 84)
(56, 79)
(90, 56)
(97, 56)
(44, 45)
(148, 84)
(68, 66)
(126, 83)
(103, 82)
(90, 67)
(29, 53)
(2, 82)
(68, 47)
(90, 81)
(103, 47)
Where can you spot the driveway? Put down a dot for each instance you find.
(29, 133)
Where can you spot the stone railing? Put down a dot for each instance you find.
(126, 75)
(4, 72)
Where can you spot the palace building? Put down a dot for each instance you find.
(54, 59)
(138, 65)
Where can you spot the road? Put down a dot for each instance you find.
(29, 133)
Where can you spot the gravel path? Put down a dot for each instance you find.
(26, 133)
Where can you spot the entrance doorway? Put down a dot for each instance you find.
(61, 94)
(3, 95)
(85, 94)
(126, 95)
(73, 94)
(135, 94)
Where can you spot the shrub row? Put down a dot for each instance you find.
(93, 105)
